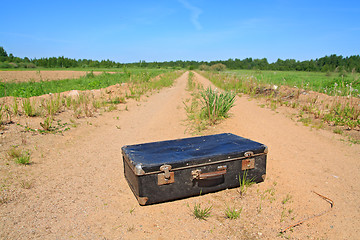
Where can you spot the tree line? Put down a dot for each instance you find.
(325, 64)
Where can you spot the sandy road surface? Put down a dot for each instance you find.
(79, 190)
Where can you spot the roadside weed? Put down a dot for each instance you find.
(207, 107)
(47, 124)
(15, 107)
(1, 114)
(286, 199)
(245, 183)
(19, 156)
(201, 213)
(132, 210)
(52, 105)
(28, 107)
(336, 111)
(233, 213)
(216, 105)
(191, 84)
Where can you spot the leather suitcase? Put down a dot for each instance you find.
(168, 170)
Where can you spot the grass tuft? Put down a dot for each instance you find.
(19, 156)
(245, 183)
(201, 214)
(233, 213)
(216, 105)
(28, 107)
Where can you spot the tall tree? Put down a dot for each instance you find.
(3, 53)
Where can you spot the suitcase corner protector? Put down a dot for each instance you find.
(263, 177)
(138, 170)
(266, 150)
(142, 200)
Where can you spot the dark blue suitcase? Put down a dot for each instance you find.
(174, 169)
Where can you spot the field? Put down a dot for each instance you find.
(331, 83)
(87, 82)
(338, 106)
(26, 76)
(61, 170)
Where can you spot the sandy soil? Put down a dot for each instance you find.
(24, 76)
(77, 188)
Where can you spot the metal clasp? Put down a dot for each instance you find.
(248, 154)
(166, 177)
(166, 169)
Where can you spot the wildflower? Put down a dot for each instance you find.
(275, 87)
(335, 84)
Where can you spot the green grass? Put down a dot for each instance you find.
(340, 112)
(338, 131)
(343, 115)
(245, 81)
(85, 104)
(28, 107)
(216, 105)
(191, 84)
(207, 106)
(142, 84)
(233, 213)
(245, 183)
(87, 69)
(286, 199)
(338, 84)
(1, 114)
(88, 82)
(201, 213)
(19, 156)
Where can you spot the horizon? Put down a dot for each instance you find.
(181, 30)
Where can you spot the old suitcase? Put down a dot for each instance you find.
(168, 170)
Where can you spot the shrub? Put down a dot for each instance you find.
(218, 67)
(204, 67)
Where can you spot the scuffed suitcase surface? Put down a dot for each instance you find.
(189, 151)
(221, 155)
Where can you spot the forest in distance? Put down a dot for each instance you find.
(324, 64)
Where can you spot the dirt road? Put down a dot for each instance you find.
(79, 191)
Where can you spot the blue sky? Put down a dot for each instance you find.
(166, 30)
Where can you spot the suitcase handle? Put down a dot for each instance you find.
(198, 175)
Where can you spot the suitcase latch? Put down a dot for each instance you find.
(248, 154)
(166, 177)
(248, 164)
